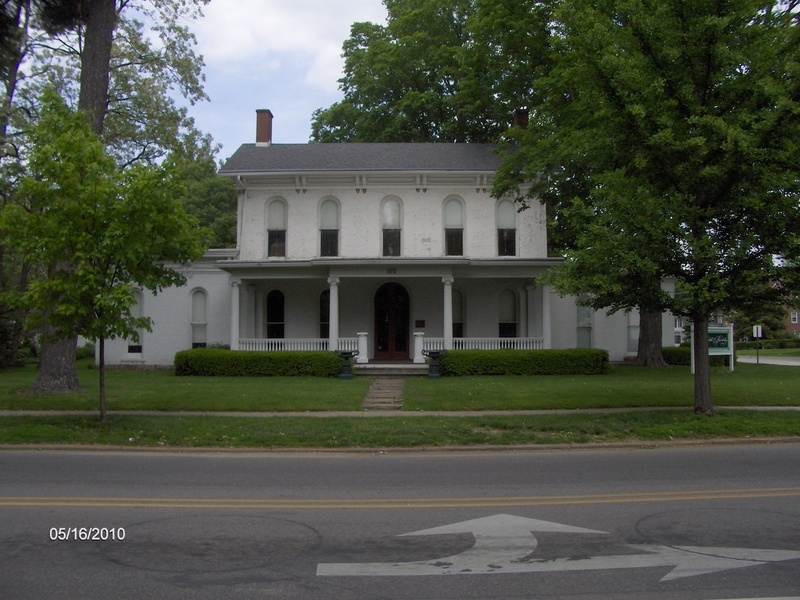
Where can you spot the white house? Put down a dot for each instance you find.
(384, 248)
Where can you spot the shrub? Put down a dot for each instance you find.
(583, 361)
(225, 363)
(682, 357)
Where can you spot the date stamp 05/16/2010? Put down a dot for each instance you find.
(87, 534)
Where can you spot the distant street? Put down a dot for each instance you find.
(712, 522)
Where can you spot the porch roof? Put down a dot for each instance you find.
(389, 267)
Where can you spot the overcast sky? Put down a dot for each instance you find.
(284, 55)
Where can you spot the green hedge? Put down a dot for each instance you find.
(682, 357)
(524, 362)
(769, 343)
(225, 363)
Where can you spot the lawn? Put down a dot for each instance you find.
(163, 391)
(787, 352)
(623, 387)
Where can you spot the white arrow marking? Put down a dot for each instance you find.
(504, 543)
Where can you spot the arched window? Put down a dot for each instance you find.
(507, 314)
(199, 323)
(329, 228)
(275, 315)
(276, 228)
(506, 228)
(458, 314)
(391, 223)
(137, 310)
(453, 227)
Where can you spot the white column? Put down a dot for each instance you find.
(235, 314)
(363, 349)
(448, 312)
(530, 289)
(547, 326)
(333, 320)
(419, 337)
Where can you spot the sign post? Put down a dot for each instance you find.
(758, 333)
(720, 343)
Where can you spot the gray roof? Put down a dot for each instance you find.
(284, 158)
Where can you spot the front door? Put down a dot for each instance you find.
(391, 322)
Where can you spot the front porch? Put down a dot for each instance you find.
(360, 343)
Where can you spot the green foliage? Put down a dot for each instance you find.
(682, 356)
(226, 363)
(438, 71)
(99, 232)
(583, 361)
(785, 342)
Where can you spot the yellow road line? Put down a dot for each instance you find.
(393, 503)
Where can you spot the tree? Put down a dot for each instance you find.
(86, 30)
(680, 121)
(117, 229)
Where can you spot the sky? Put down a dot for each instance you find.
(284, 55)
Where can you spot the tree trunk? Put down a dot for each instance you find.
(102, 353)
(702, 369)
(650, 343)
(95, 61)
(57, 370)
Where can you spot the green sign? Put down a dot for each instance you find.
(720, 341)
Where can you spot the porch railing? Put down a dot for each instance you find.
(432, 343)
(276, 345)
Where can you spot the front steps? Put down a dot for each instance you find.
(388, 381)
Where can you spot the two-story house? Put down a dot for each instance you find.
(384, 248)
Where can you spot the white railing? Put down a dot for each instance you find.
(277, 345)
(432, 343)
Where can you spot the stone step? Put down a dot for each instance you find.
(390, 370)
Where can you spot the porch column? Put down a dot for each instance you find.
(333, 329)
(531, 291)
(547, 326)
(235, 314)
(448, 312)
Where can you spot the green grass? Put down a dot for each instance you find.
(787, 352)
(414, 432)
(163, 391)
(623, 387)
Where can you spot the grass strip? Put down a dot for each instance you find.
(407, 432)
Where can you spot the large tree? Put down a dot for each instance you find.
(116, 228)
(679, 120)
(124, 87)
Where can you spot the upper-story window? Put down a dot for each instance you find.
(391, 224)
(453, 227)
(506, 228)
(329, 228)
(276, 228)
(199, 322)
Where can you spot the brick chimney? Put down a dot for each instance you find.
(263, 127)
(520, 118)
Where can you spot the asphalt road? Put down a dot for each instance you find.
(708, 522)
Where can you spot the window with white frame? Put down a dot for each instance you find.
(391, 224)
(135, 346)
(276, 228)
(506, 228)
(794, 318)
(507, 314)
(199, 322)
(329, 228)
(584, 330)
(453, 227)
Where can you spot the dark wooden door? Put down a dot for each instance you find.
(391, 322)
